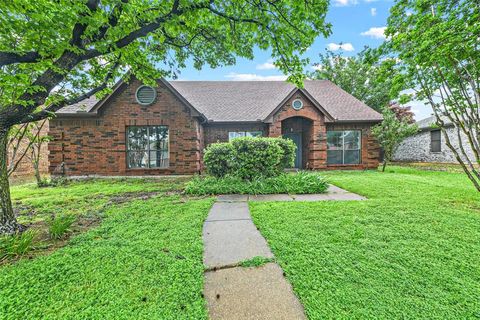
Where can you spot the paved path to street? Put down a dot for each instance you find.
(230, 237)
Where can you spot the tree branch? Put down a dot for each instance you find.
(47, 112)
(7, 58)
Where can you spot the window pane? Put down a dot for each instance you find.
(435, 141)
(435, 134)
(436, 146)
(158, 138)
(352, 140)
(233, 135)
(254, 134)
(137, 159)
(159, 159)
(334, 140)
(352, 157)
(137, 138)
(334, 156)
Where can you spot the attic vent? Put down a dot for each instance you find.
(297, 104)
(145, 95)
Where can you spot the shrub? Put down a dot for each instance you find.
(60, 225)
(257, 157)
(17, 245)
(294, 183)
(249, 158)
(218, 159)
(289, 148)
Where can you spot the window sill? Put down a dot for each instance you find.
(344, 165)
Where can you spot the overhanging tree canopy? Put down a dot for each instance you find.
(58, 52)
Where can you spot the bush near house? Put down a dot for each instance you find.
(292, 183)
(250, 158)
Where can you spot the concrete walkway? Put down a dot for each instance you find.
(230, 237)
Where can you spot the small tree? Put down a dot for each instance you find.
(403, 112)
(26, 143)
(391, 132)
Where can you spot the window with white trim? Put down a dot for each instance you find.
(147, 147)
(239, 134)
(344, 147)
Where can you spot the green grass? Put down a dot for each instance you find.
(144, 260)
(255, 262)
(82, 197)
(412, 250)
(292, 183)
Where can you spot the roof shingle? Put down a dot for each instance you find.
(237, 101)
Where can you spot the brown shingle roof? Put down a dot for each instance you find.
(237, 101)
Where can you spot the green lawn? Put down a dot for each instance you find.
(144, 261)
(411, 251)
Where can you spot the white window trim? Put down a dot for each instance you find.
(343, 150)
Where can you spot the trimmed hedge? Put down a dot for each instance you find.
(249, 158)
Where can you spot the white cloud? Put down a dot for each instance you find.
(343, 3)
(375, 32)
(373, 12)
(340, 46)
(266, 66)
(317, 67)
(253, 77)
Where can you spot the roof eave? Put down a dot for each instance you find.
(355, 121)
(76, 115)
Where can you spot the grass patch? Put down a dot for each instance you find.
(143, 262)
(256, 262)
(57, 212)
(410, 251)
(292, 183)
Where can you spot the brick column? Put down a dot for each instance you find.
(317, 158)
(275, 129)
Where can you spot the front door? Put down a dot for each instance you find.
(297, 139)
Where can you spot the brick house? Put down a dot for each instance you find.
(141, 130)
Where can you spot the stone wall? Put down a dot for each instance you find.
(417, 148)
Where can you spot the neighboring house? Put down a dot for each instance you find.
(428, 145)
(140, 130)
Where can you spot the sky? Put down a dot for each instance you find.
(355, 24)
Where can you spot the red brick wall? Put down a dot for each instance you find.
(219, 132)
(317, 146)
(315, 151)
(96, 146)
(370, 147)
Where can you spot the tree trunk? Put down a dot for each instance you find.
(8, 223)
(37, 172)
(384, 165)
